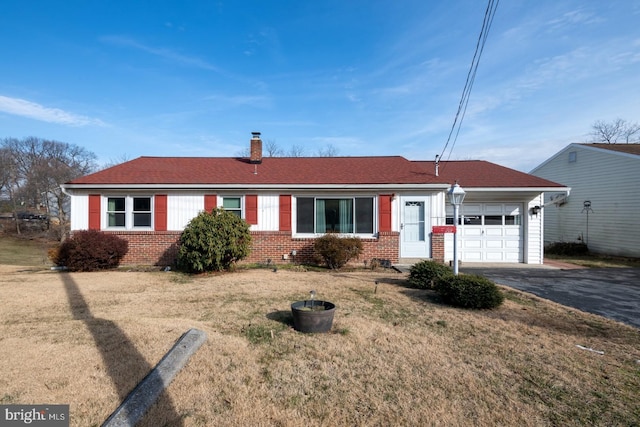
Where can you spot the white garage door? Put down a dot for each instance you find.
(490, 232)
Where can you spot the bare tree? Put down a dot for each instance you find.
(5, 168)
(328, 151)
(115, 161)
(631, 133)
(37, 167)
(272, 149)
(296, 151)
(618, 130)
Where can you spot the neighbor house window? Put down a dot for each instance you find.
(233, 204)
(334, 215)
(129, 212)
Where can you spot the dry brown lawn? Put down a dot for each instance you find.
(395, 356)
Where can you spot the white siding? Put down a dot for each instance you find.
(181, 208)
(534, 234)
(80, 212)
(611, 182)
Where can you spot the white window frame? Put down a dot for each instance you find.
(294, 213)
(241, 209)
(128, 212)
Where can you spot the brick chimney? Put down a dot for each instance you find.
(256, 148)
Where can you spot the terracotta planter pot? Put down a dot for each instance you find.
(312, 316)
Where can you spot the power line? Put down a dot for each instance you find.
(489, 14)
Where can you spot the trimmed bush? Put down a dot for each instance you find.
(336, 251)
(566, 249)
(90, 250)
(469, 291)
(425, 274)
(213, 241)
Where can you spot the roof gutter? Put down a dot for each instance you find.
(518, 189)
(435, 187)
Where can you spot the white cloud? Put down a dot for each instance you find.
(32, 110)
(225, 101)
(168, 54)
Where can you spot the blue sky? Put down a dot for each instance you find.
(195, 78)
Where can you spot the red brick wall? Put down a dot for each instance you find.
(150, 247)
(274, 244)
(161, 248)
(437, 247)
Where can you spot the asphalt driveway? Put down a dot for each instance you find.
(610, 292)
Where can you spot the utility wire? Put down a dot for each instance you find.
(489, 14)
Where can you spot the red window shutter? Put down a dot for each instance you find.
(251, 208)
(285, 213)
(160, 212)
(384, 221)
(94, 212)
(210, 202)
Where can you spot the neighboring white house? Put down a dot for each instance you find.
(605, 194)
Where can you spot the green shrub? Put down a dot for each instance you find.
(90, 250)
(337, 251)
(425, 274)
(213, 241)
(566, 249)
(469, 291)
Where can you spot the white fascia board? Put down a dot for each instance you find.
(385, 187)
(517, 189)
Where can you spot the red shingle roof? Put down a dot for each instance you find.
(308, 171)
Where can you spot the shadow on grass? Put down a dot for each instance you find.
(125, 365)
(282, 316)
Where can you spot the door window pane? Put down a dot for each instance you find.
(414, 222)
(512, 220)
(473, 220)
(493, 220)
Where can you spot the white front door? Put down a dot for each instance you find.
(414, 227)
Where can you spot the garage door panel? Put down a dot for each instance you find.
(471, 209)
(493, 235)
(494, 256)
(494, 232)
(511, 209)
(472, 232)
(493, 209)
(512, 257)
(473, 256)
(494, 244)
(512, 232)
(472, 244)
